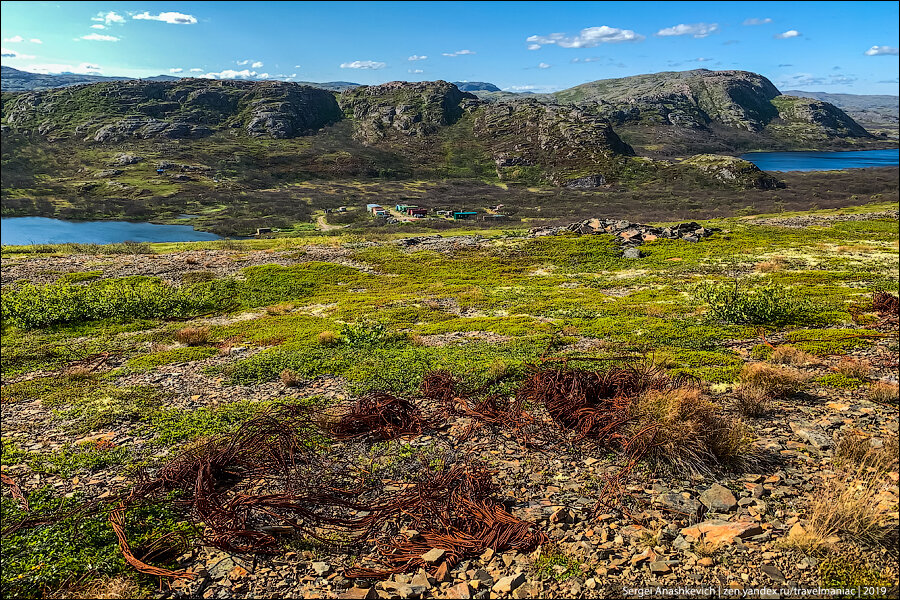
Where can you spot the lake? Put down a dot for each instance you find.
(823, 161)
(41, 230)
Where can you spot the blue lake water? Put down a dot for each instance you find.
(823, 161)
(41, 230)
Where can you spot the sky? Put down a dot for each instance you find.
(842, 47)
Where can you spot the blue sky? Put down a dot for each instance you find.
(540, 46)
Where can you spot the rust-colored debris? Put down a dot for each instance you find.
(886, 305)
(380, 416)
(15, 490)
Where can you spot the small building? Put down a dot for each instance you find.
(371, 206)
(444, 213)
(405, 207)
(464, 214)
(379, 211)
(417, 212)
(260, 231)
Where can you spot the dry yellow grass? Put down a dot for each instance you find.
(752, 401)
(776, 263)
(104, 588)
(193, 336)
(684, 432)
(280, 309)
(290, 378)
(885, 393)
(777, 381)
(851, 367)
(791, 355)
(328, 338)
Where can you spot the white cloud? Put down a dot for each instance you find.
(297, 66)
(543, 65)
(363, 64)
(458, 53)
(293, 75)
(109, 18)
(755, 21)
(243, 62)
(257, 64)
(701, 59)
(54, 68)
(416, 57)
(99, 37)
(586, 38)
(882, 51)
(98, 26)
(14, 39)
(698, 30)
(531, 88)
(36, 41)
(176, 70)
(174, 18)
(262, 76)
(589, 59)
(790, 33)
(414, 71)
(7, 53)
(232, 74)
(196, 70)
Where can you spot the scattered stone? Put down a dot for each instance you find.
(434, 556)
(718, 498)
(321, 568)
(811, 434)
(507, 584)
(722, 532)
(773, 572)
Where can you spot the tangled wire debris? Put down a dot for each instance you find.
(886, 305)
(280, 473)
(380, 416)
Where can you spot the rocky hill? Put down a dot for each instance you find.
(189, 108)
(874, 112)
(687, 112)
(261, 135)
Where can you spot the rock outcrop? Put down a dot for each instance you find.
(628, 233)
(411, 109)
(729, 170)
(563, 140)
(188, 108)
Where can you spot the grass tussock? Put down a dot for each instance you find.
(192, 336)
(857, 369)
(884, 393)
(282, 308)
(856, 504)
(328, 338)
(791, 355)
(776, 381)
(681, 431)
(290, 378)
(752, 402)
(774, 264)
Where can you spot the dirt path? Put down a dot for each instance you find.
(324, 226)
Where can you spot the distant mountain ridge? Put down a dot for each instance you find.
(15, 80)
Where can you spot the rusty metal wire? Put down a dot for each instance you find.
(887, 306)
(117, 521)
(15, 490)
(453, 509)
(380, 416)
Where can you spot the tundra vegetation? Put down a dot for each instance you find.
(105, 374)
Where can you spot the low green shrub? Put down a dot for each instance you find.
(738, 304)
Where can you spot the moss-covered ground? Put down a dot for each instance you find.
(475, 310)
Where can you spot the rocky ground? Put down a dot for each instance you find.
(719, 532)
(732, 530)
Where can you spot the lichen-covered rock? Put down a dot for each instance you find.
(563, 140)
(188, 108)
(411, 109)
(730, 170)
(817, 117)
